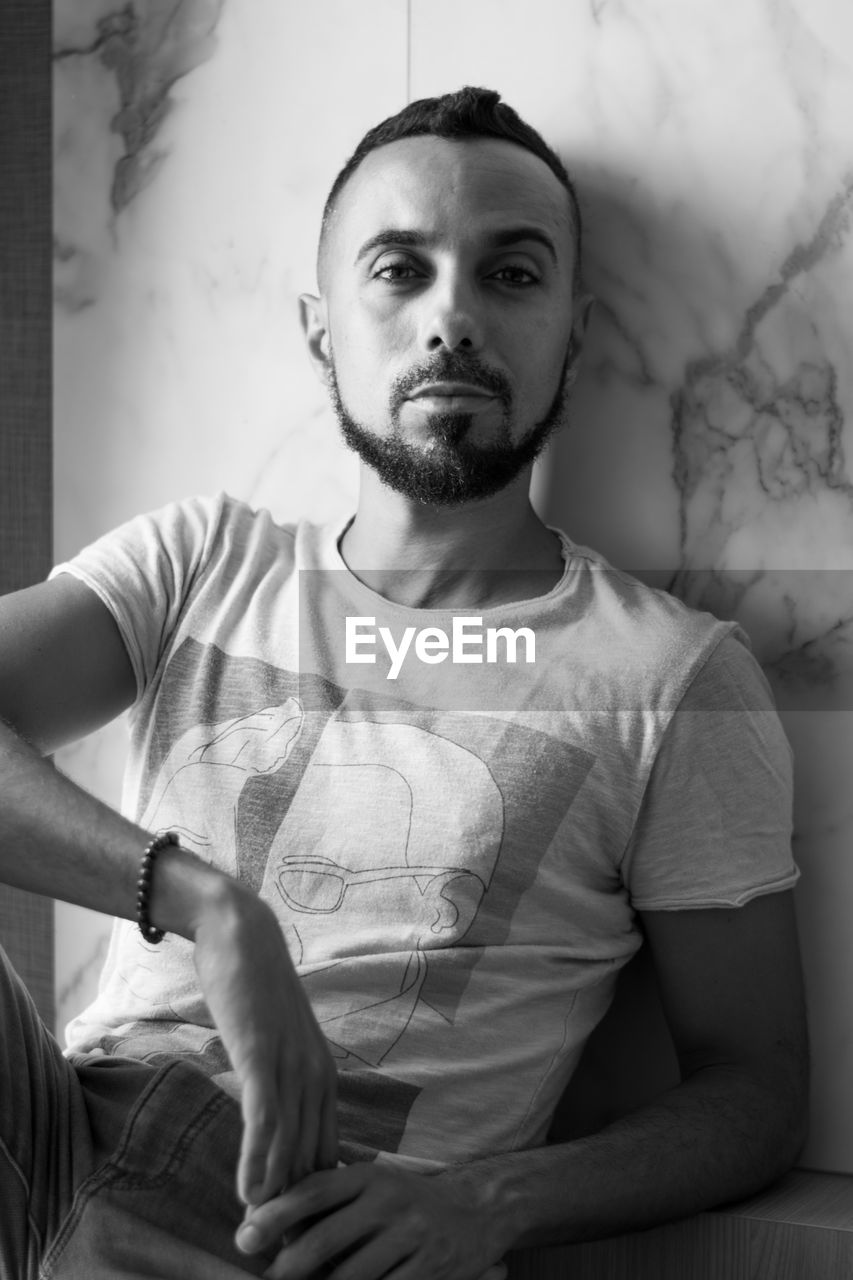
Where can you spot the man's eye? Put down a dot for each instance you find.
(393, 271)
(515, 275)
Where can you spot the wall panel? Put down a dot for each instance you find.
(26, 922)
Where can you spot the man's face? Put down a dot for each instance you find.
(447, 296)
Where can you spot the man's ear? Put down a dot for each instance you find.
(315, 326)
(582, 308)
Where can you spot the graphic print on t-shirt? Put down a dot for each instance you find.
(386, 850)
(392, 841)
(217, 761)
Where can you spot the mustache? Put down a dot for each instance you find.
(451, 367)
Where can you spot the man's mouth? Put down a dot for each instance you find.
(452, 397)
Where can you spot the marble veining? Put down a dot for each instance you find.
(795, 422)
(760, 467)
(147, 48)
(132, 57)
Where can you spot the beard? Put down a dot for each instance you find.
(451, 469)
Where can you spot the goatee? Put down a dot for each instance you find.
(451, 469)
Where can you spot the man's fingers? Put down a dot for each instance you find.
(314, 1196)
(339, 1234)
(303, 1154)
(362, 1222)
(374, 1258)
(315, 1145)
(261, 1124)
(278, 1051)
(289, 1127)
(279, 1171)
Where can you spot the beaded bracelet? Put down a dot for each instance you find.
(143, 885)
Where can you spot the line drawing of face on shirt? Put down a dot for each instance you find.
(206, 770)
(384, 855)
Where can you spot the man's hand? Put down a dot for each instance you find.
(281, 1057)
(374, 1221)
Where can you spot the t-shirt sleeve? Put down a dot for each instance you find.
(714, 827)
(144, 571)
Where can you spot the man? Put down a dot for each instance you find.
(433, 775)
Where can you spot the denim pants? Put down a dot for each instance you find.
(111, 1169)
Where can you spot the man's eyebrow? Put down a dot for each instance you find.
(514, 235)
(393, 235)
(496, 240)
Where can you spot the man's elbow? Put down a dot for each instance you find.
(784, 1084)
(797, 1111)
(761, 1103)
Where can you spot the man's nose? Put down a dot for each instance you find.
(452, 317)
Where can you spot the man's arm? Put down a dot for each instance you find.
(64, 671)
(732, 992)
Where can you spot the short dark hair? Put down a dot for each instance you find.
(466, 113)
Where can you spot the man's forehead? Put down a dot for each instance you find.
(425, 182)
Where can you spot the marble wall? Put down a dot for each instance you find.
(711, 426)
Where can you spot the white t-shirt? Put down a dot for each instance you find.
(455, 849)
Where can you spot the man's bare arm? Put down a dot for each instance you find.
(733, 995)
(732, 991)
(64, 671)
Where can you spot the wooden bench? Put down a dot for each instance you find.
(800, 1229)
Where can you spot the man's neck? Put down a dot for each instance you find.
(476, 555)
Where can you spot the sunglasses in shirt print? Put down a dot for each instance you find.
(318, 887)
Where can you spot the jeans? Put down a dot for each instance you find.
(110, 1168)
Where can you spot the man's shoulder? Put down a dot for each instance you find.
(221, 525)
(223, 513)
(637, 617)
(178, 546)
